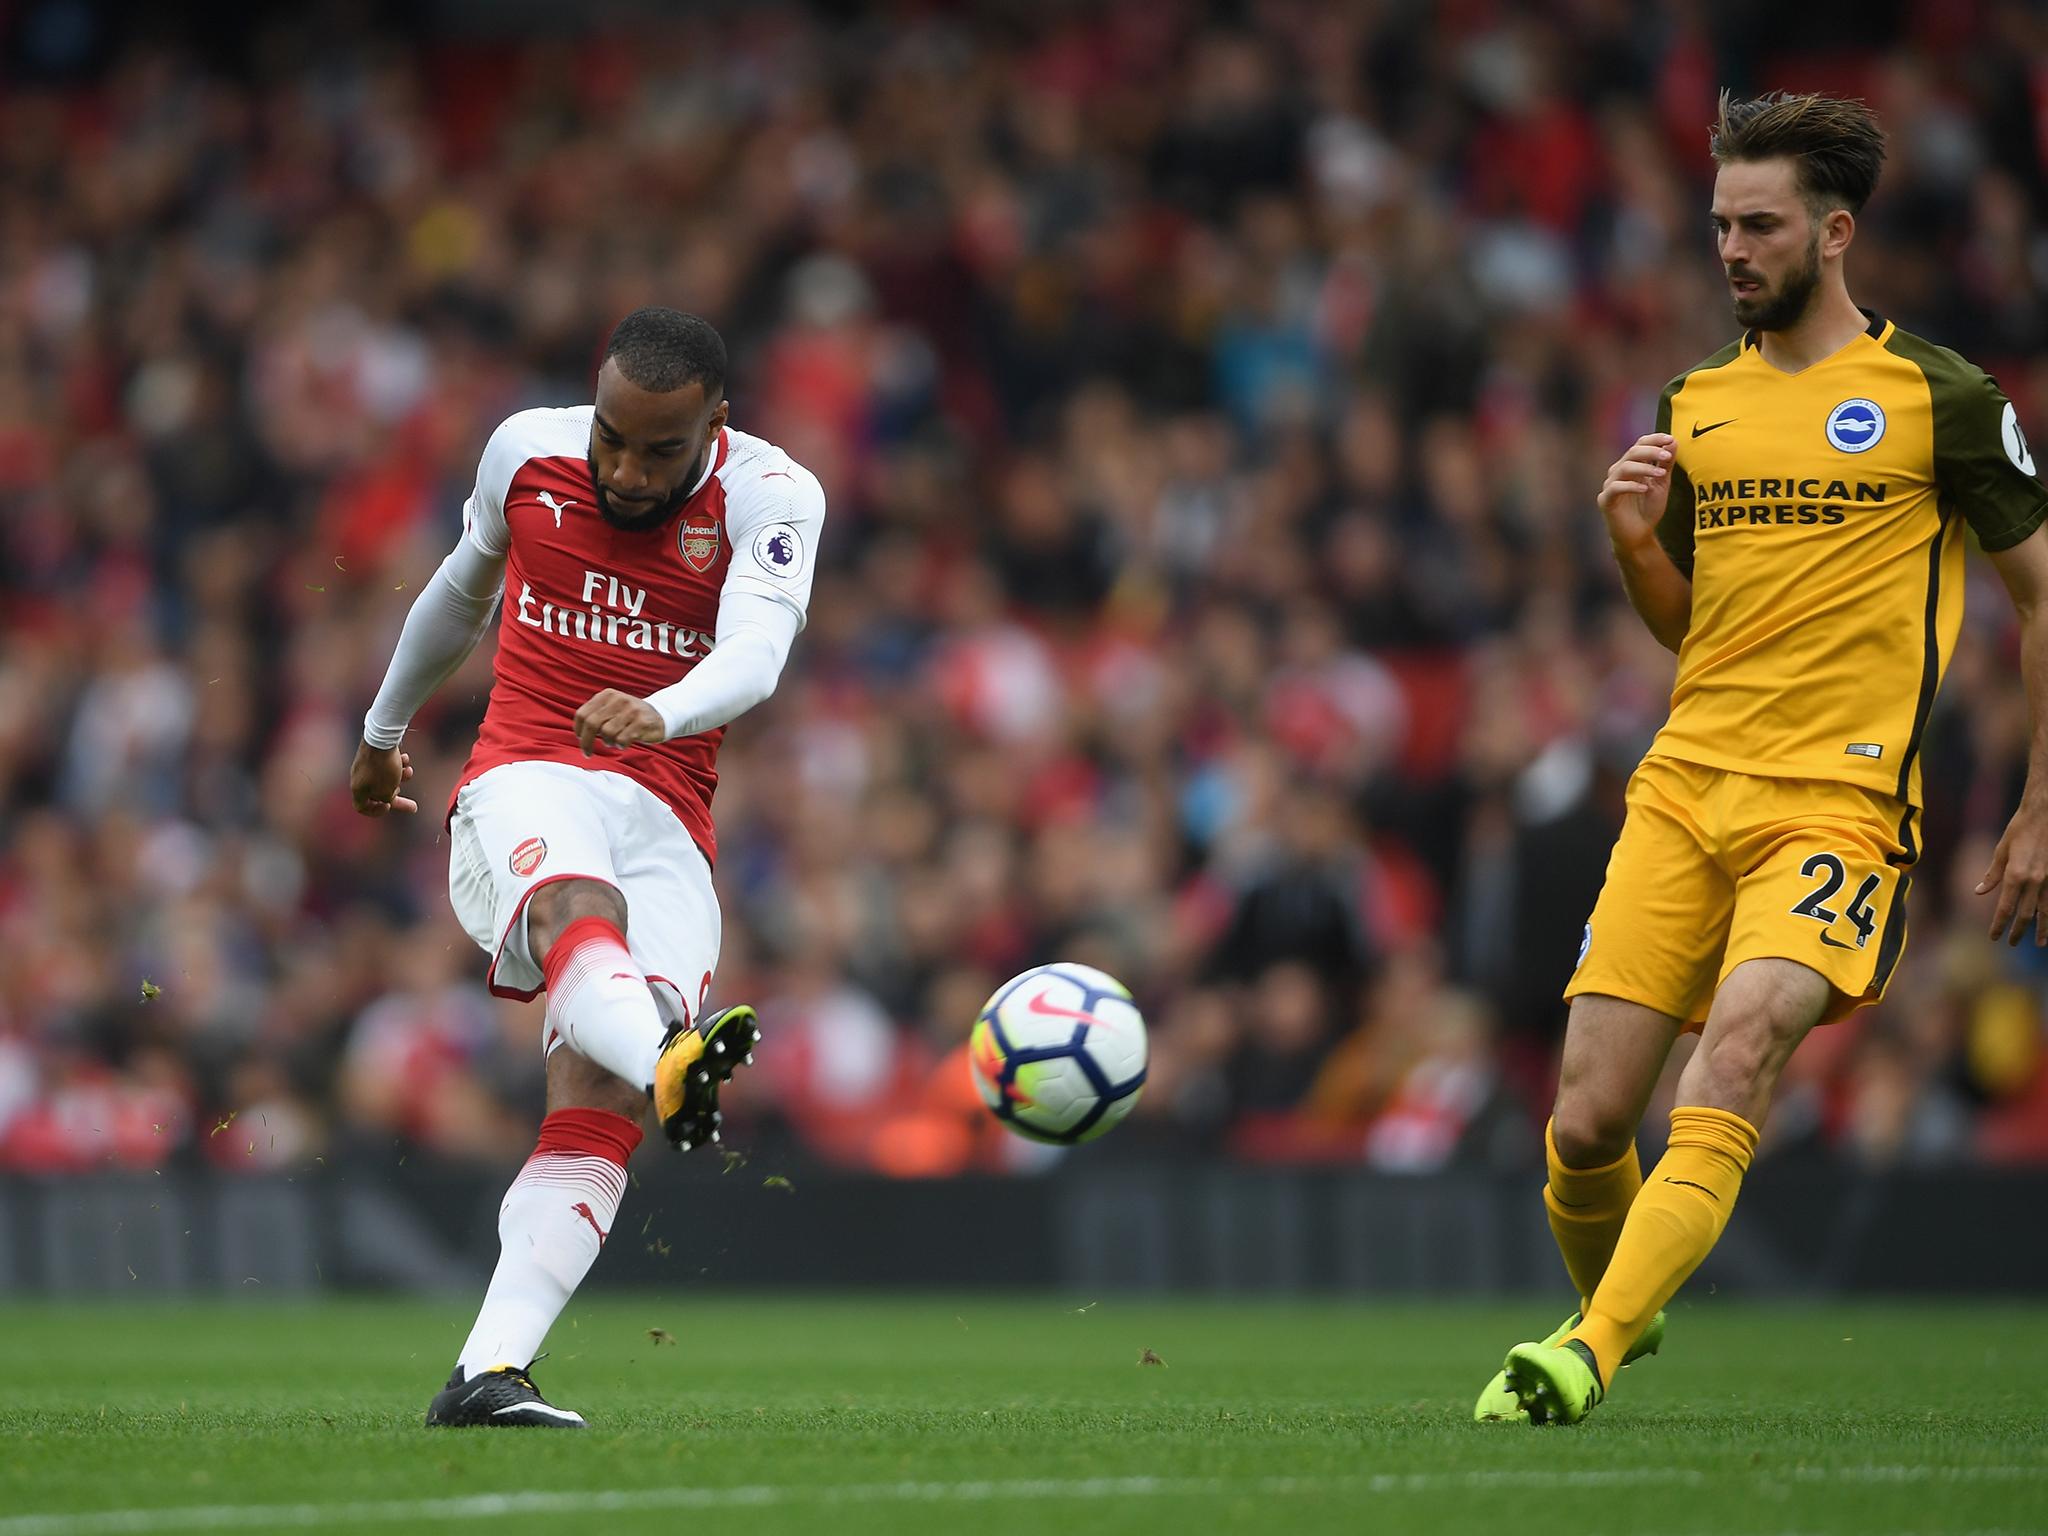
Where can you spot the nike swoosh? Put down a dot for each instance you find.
(547, 1408)
(1835, 943)
(1688, 1183)
(1700, 431)
(1045, 1007)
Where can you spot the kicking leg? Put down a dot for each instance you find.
(597, 993)
(598, 999)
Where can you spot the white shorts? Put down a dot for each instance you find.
(521, 826)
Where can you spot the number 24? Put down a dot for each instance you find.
(1812, 905)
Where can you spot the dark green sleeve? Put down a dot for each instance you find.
(1982, 461)
(1674, 529)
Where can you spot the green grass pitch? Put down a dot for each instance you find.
(928, 1414)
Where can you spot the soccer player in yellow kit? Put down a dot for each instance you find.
(1794, 529)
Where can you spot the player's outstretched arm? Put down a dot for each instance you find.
(2019, 865)
(746, 661)
(1633, 500)
(445, 623)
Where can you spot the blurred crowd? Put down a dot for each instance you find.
(1210, 401)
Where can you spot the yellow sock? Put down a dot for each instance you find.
(1587, 1207)
(1673, 1224)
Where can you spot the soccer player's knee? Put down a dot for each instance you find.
(1587, 1133)
(1740, 1059)
(558, 904)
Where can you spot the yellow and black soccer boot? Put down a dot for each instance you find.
(1498, 1403)
(694, 1061)
(502, 1397)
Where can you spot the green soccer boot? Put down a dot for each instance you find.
(1498, 1404)
(1555, 1384)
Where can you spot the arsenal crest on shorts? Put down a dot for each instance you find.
(698, 540)
(526, 858)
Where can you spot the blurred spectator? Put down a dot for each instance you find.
(1210, 402)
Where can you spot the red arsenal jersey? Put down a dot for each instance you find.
(588, 606)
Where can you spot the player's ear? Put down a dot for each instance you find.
(718, 416)
(1836, 231)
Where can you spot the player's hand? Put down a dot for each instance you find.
(618, 720)
(2019, 873)
(1638, 484)
(375, 778)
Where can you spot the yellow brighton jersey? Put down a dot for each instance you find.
(1820, 517)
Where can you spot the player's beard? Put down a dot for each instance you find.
(1784, 309)
(639, 522)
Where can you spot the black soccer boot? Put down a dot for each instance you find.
(500, 1397)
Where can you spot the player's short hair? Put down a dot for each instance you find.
(1835, 143)
(663, 349)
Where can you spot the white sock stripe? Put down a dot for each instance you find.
(596, 1171)
(613, 1022)
(556, 1162)
(605, 1195)
(603, 1198)
(593, 956)
(608, 1179)
(585, 966)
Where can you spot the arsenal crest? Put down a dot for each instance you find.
(698, 540)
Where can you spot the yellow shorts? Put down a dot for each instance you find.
(1714, 868)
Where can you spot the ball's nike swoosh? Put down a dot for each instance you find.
(1043, 1004)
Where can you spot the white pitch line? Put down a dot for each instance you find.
(127, 1522)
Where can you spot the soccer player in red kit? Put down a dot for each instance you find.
(654, 566)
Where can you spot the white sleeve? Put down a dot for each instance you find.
(447, 619)
(483, 515)
(746, 661)
(774, 520)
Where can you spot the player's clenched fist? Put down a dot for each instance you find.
(1637, 486)
(618, 720)
(375, 778)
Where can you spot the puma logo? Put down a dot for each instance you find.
(554, 506)
(583, 1210)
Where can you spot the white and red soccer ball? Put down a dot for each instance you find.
(1058, 1053)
